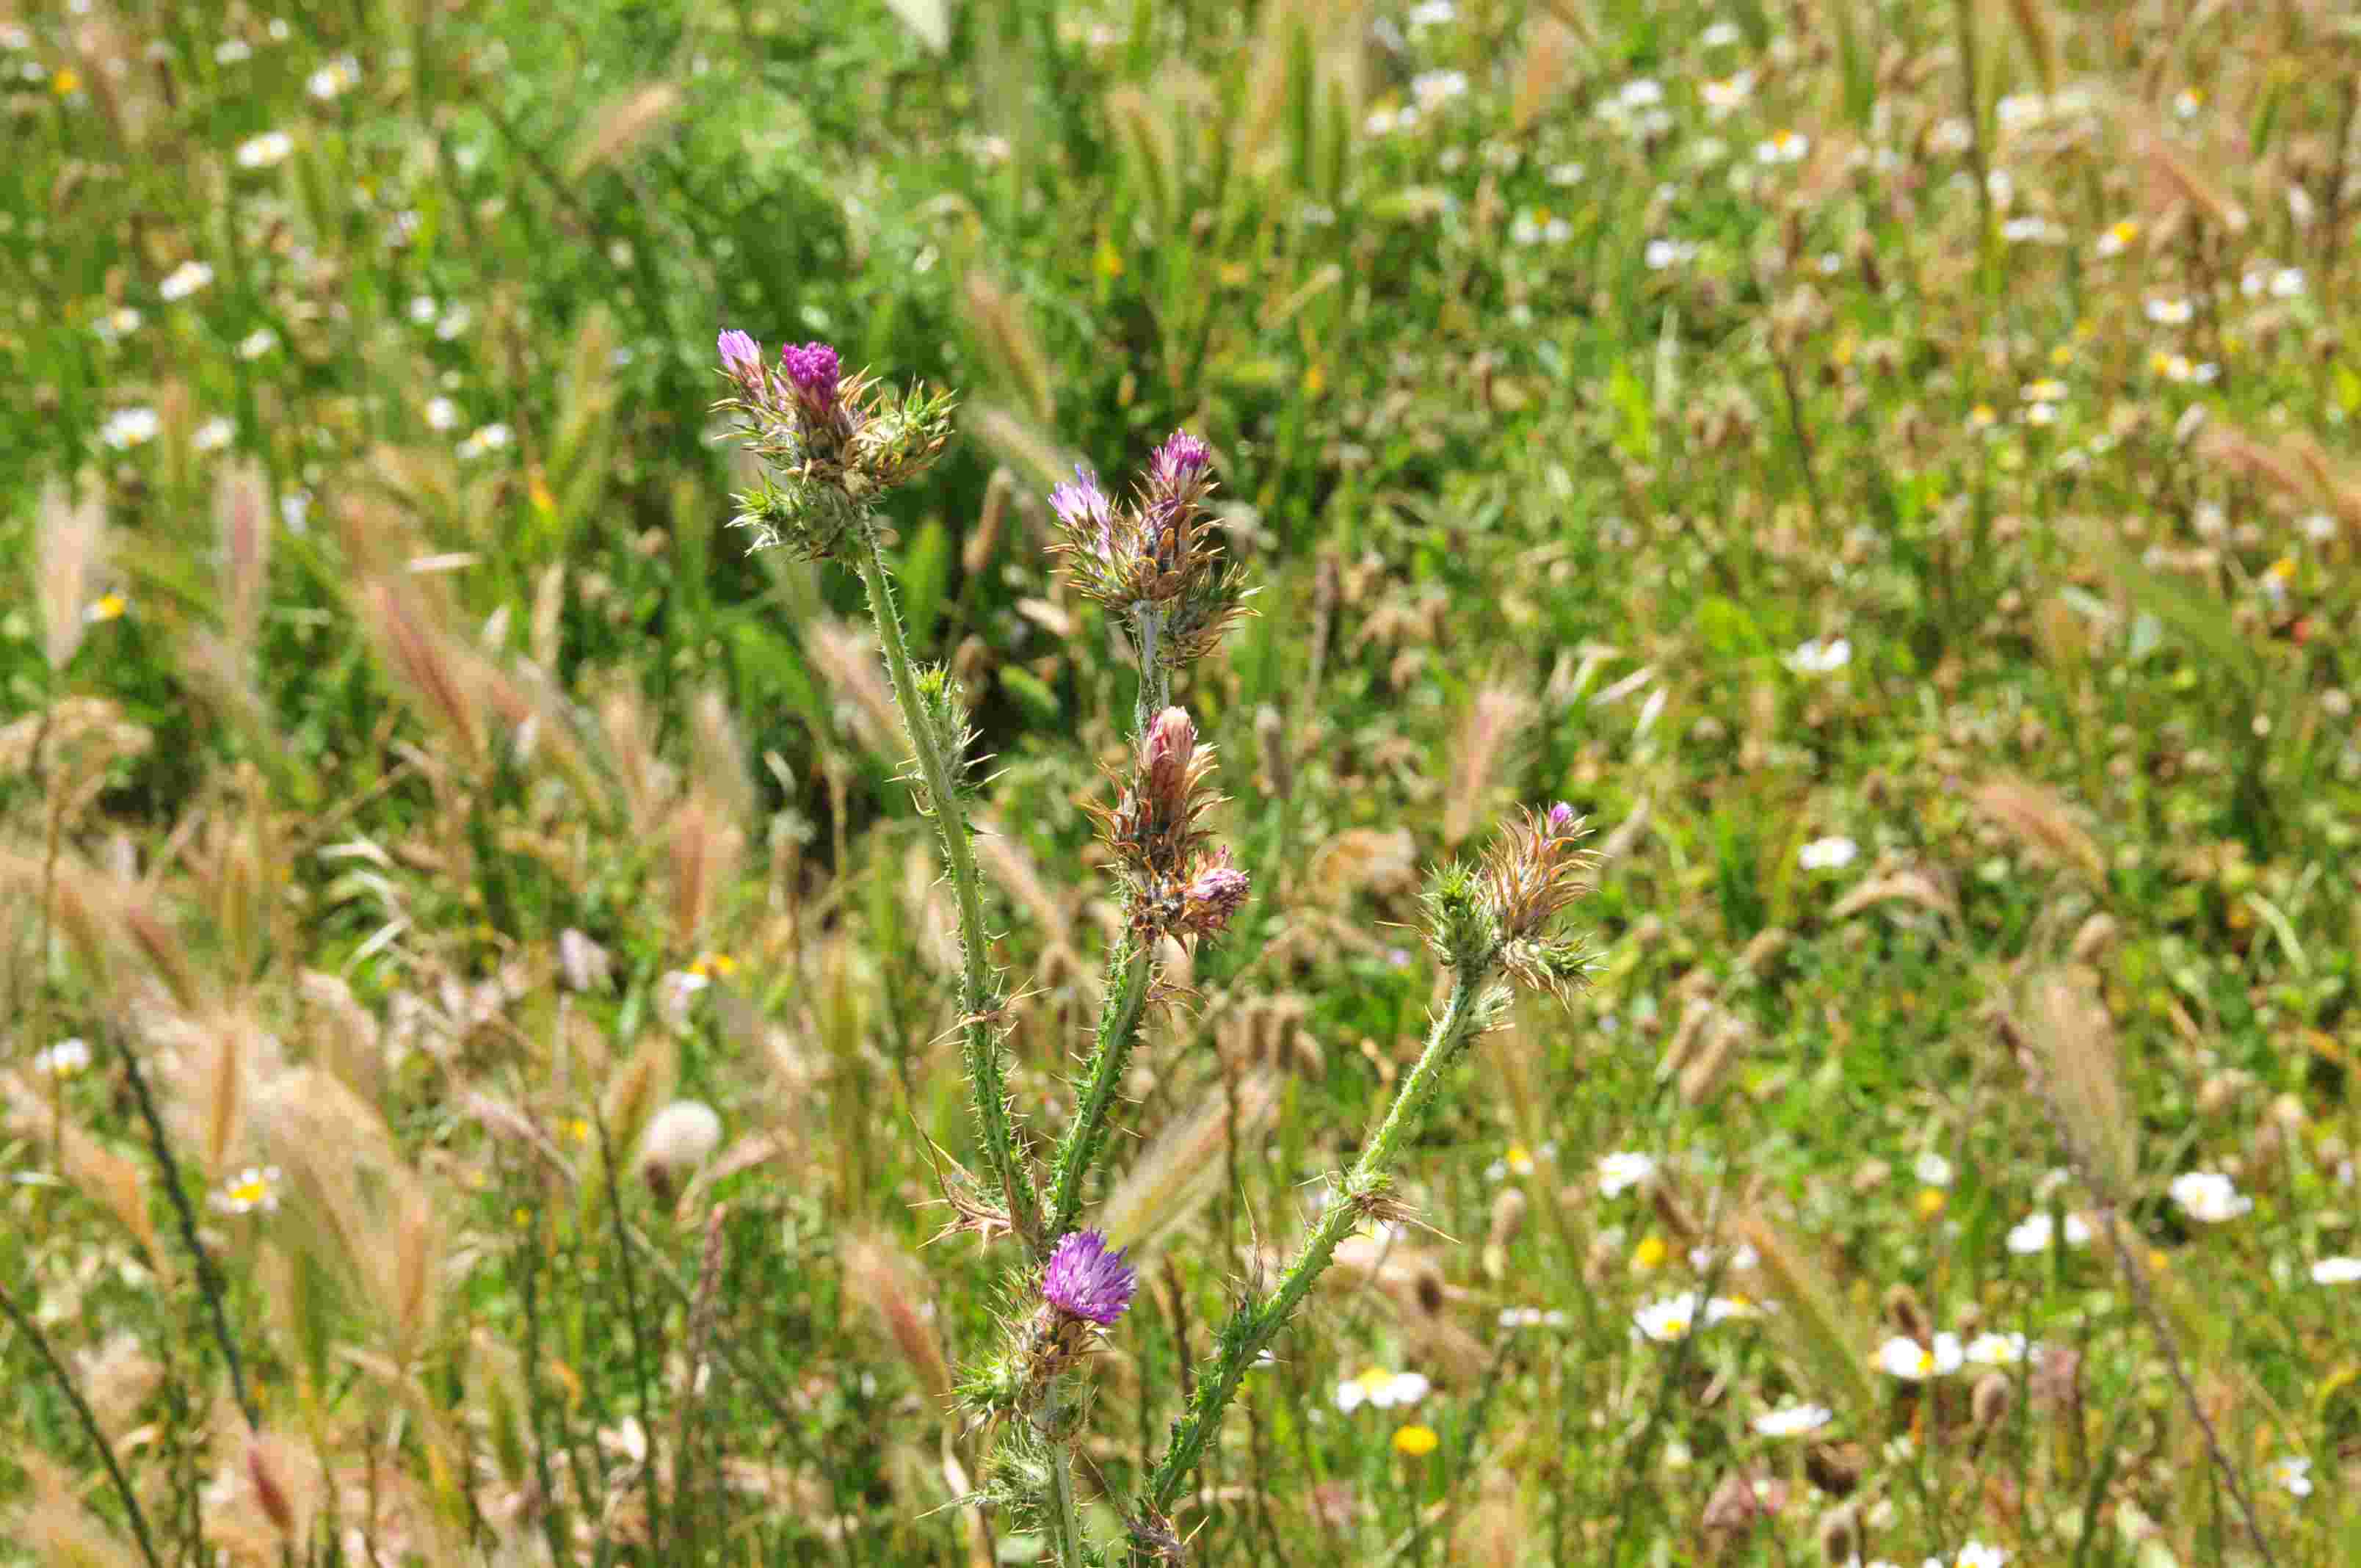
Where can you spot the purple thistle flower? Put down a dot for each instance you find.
(813, 367)
(1084, 509)
(1212, 896)
(1179, 465)
(1562, 820)
(1085, 1280)
(741, 356)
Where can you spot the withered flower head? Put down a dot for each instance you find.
(1156, 833)
(1532, 872)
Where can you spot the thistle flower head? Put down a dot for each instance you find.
(1085, 1280)
(1180, 467)
(1082, 509)
(1535, 869)
(1154, 557)
(831, 444)
(1502, 915)
(1213, 896)
(813, 370)
(742, 358)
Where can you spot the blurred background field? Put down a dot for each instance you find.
(1891, 466)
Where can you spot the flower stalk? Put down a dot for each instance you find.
(1364, 1196)
(986, 1070)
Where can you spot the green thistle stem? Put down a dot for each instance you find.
(1065, 1522)
(987, 1071)
(1130, 968)
(1252, 1326)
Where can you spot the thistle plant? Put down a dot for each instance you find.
(833, 447)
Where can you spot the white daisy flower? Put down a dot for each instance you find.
(214, 434)
(1974, 1554)
(2336, 1271)
(1623, 1169)
(489, 438)
(2286, 282)
(1433, 89)
(2035, 1232)
(1906, 1358)
(333, 78)
(2174, 311)
(2294, 1473)
(2030, 230)
(1432, 14)
(1669, 1318)
(1932, 1170)
(126, 428)
(2118, 238)
(256, 344)
(117, 325)
(2208, 1196)
(422, 308)
(251, 1188)
(1820, 656)
(232, 51)
(1564, 174)
(1531, 1318)
(1832, 853)
(1720, 35)
(185, 281)
(1724, 93)
(1995, 1350)
(455, 320)
(442, 413)
(1793, 1422)
(1381, 1390)
(1783, 147)
(266, 150)
(63, 1059)
(1663, 253)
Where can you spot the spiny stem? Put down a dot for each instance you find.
(1129, 968)
(1254, 1324)
(987, 1072)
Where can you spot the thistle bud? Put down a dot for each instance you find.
(1164, 760)
(742, 358)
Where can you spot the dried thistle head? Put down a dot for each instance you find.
(1155, 831)
(831, 444)
(1155, 557)
(1531, 874)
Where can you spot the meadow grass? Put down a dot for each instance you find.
(481, 1026)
